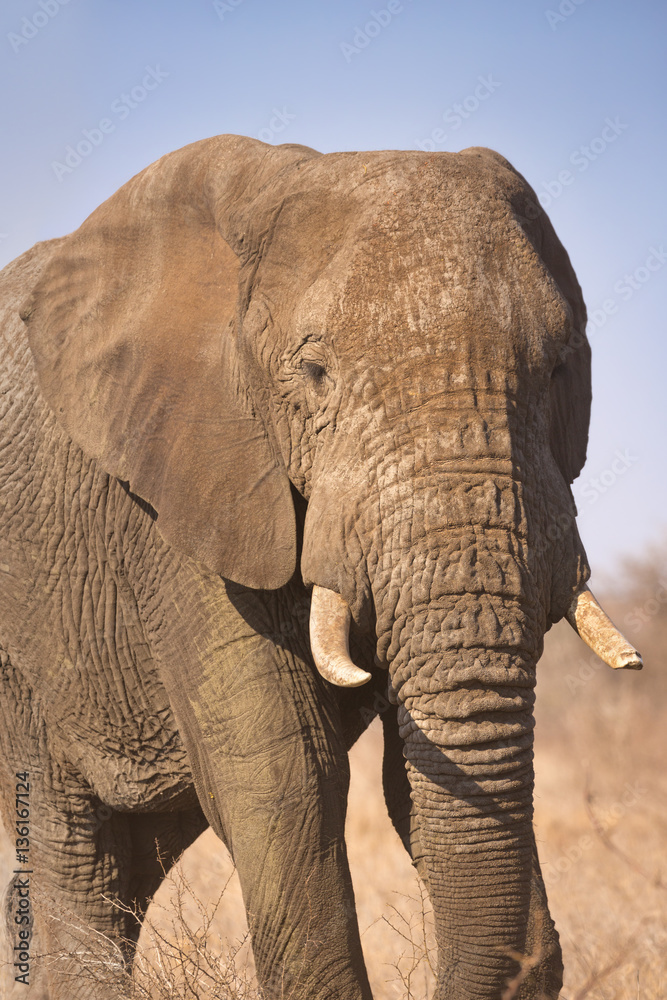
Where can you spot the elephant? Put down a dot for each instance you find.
(287, 436)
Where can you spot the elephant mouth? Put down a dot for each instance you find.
(330, 619)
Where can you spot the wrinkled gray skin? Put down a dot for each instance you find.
(252, 370)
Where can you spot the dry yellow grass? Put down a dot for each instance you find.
(600, 819)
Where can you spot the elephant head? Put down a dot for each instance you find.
(399, 338)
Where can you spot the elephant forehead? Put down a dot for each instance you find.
(422, 340)
(471, 297)
(401, 304)
(383, 253)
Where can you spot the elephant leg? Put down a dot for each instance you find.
(17, 925)
(262, 731)
(75, 850)
(102, 872)
(77, 855)
(284, 787)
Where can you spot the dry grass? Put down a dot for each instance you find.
(183, 954)
(600, 819)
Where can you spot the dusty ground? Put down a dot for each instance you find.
(600, 818)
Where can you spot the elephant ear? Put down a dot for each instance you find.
(133, 328)
(570, 397)
(570, 390)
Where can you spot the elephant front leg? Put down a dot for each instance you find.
(263, 735)
(284, 817)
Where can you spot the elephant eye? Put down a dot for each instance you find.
(315, 372)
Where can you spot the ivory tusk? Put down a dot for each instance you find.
(590, 622)
(329, 639)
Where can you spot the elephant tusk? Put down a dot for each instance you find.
(329, 639)
(591, 623)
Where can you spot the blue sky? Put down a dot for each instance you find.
(571, 91)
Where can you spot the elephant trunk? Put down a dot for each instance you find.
(463, 583)
(463, 678)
